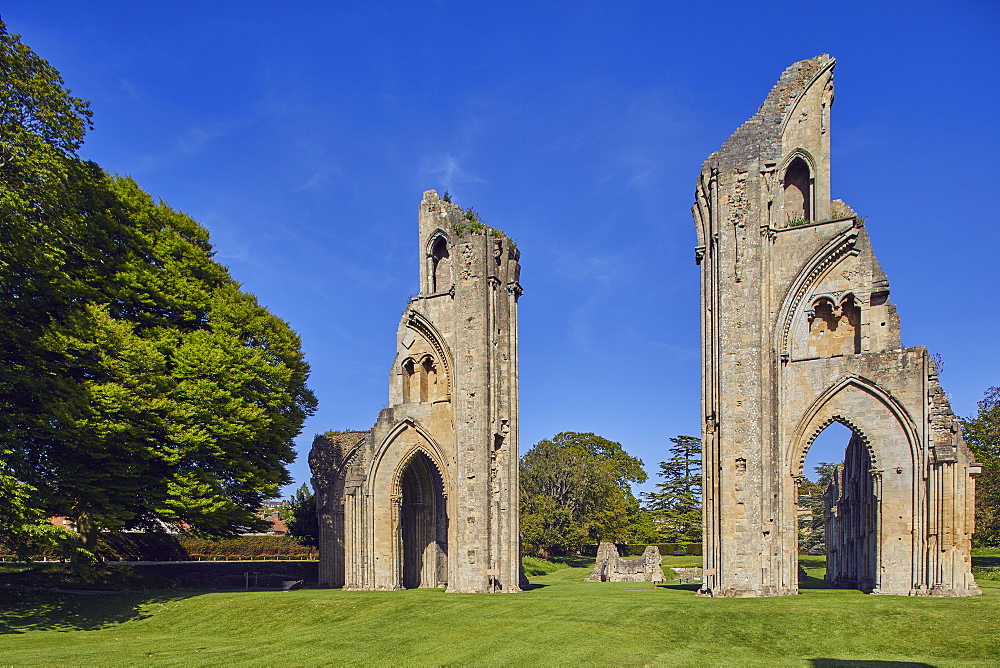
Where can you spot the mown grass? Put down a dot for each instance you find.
(560, 620)
(538, 566)
(986, 563)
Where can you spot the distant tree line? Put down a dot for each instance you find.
(576, 491)
(139, 385)
(982, 433)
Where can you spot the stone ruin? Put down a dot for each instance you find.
(798, 332)
(610, 567)
(428, 497)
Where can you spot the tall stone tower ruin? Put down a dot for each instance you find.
(429, 496)
(797, 333)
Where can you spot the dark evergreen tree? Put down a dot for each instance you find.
(812, 525)
(675, 508)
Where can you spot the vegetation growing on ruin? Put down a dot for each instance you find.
(473, 224)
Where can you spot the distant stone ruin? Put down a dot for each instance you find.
(610, 567)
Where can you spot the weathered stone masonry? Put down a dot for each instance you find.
(429, 496)
(798, 332)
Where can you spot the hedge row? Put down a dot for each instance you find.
(248, 546)
(176, 547)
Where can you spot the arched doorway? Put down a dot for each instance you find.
(423, 525)
(842, 519)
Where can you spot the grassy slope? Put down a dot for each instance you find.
(564, 620)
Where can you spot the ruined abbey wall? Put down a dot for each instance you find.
(429, 496)
(798, 332)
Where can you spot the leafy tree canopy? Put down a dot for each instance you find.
(139, 385)
(574, 490)
(982, 433)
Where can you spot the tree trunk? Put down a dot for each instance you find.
(87, 529)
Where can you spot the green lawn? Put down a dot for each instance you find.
(562, 620)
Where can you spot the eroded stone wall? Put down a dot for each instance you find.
(610, 567)
(798, 332)
(428, 496)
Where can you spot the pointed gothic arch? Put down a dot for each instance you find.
(833, 406)
(447, 441)
(422, 522)
(425, 328)
(798, 190)
(439, 264)
(797, 332)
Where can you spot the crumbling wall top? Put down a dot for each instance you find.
(329, 452)
(760, 137)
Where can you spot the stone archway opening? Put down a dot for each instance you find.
(423, 525)
(839, 517)
(798, 192)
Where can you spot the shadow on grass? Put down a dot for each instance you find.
(833, 663)
(694, 586)
(985, 561)
(532, 585)
(25, 610)
(575, 561)
(814, 583)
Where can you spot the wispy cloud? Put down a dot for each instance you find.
(319, 178)
(190, 142)
(196, 138)
(447, 169)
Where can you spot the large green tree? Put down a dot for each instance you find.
(982, 433)
(139, 384)
(675, 506)
(48, 253)
(575, 489)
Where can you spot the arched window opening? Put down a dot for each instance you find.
(798, 197)
(423, 521)
(837, 508)
(409, 381)
(834, 329)
(430, 374)
(440, 274)
(428, 379)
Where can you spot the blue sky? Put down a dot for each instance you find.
(302, 136)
